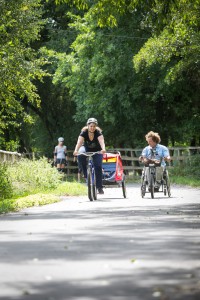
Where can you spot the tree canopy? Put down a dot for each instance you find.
(163, 40)
(132, 64)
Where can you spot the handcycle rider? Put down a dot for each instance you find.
(92, 138)
(157, 153)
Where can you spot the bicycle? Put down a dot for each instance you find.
(91, 177)
(148, 179)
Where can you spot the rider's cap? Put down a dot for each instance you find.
(61, 139)
(92, 120)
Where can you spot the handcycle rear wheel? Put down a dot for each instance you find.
(168, 184)
(143, 187)
(167, 188)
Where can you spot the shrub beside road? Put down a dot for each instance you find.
(31, 183)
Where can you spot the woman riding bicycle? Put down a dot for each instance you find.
(92, 138)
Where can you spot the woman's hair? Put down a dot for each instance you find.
(154, 135)
(86, 127)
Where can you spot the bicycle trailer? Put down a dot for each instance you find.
(113, 172)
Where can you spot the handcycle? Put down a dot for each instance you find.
(148, 179)
(91, 177)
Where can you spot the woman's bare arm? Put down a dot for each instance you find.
(78, 145)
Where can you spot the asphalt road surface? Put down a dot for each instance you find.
(110, 249)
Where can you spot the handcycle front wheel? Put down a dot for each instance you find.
(151, 185)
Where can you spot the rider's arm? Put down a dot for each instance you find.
(102, 143)
(167, 158)
(143, 159)
(144, 156)
(166, 154)
(79, 144)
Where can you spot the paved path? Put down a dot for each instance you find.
(110, 249)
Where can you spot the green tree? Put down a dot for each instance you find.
(54, 116)
(167, 63)
(174, 48)
(100, 75)
(20, 65)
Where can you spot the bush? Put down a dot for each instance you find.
(5, 183)
(189, 168)
(29, 175)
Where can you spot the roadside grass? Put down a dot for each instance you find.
(182, 180)
(43, 198)
(70, 189)
(33, 183)
(188, 173)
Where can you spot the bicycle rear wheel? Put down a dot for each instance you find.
(90, 186)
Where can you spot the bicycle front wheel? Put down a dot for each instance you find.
(90, 185)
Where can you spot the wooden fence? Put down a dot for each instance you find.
(131, 163)
(9, 156)
(130, 156)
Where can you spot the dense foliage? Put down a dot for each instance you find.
(20, 64)
(132, 64)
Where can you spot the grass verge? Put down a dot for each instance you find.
(187, 181)
(43, 198)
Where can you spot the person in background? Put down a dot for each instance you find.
(92, 138)
(157, 152)
(60, 155)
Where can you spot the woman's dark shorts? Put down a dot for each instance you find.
(60, 161)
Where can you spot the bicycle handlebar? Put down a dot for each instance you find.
(89, 154)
